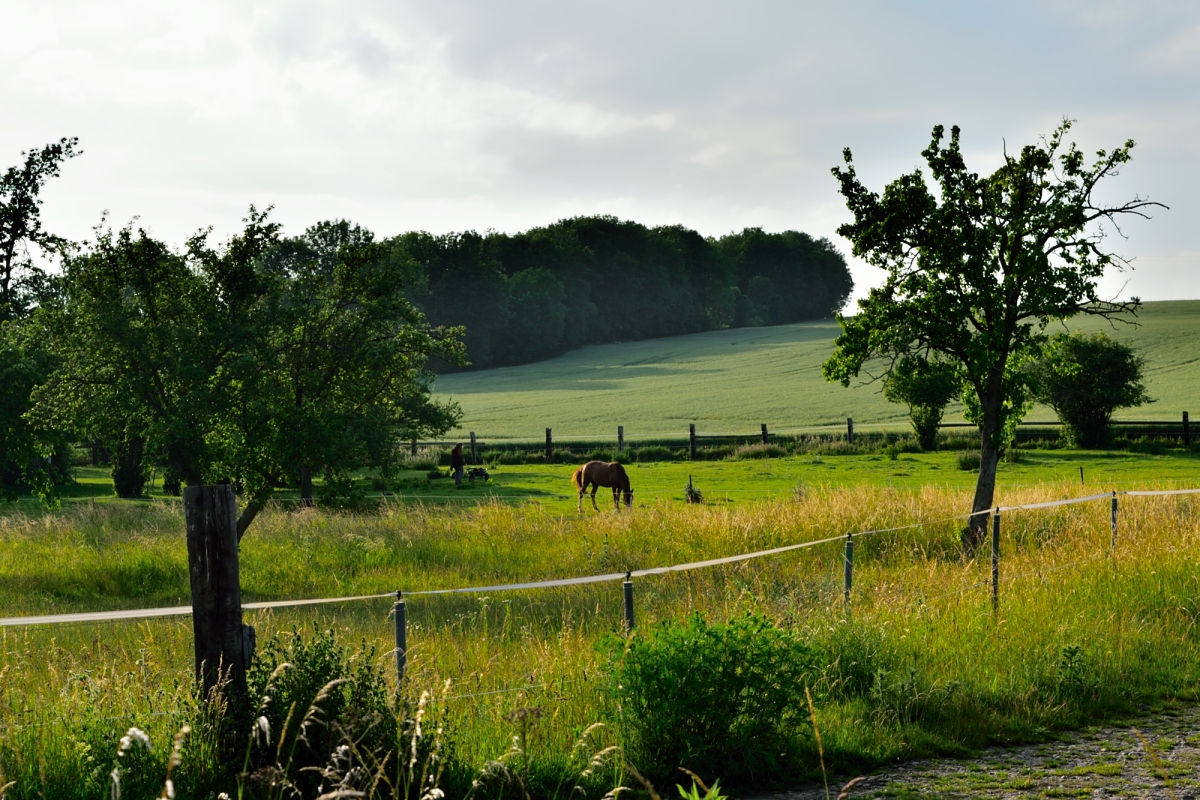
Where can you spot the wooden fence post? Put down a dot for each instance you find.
(849, 430)
(627, 590)
(849, 579)
(764, 433)
(413, 449)
(549, 444)
(1114, 520)
(996, 562)
(692, 439)
(1187, 434)
(474, 451)
(401, 637)
(223, 644)
(620, 438)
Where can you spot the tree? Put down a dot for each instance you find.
(977, 271)
(926, 386)
(21, 281)
(29, 457)
(1084, 379)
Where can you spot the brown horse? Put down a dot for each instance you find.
(607, 474)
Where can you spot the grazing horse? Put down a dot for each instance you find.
(607, 474)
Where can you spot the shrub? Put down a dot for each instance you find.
(652, 453)
(1084, 378)
(758, 450)
(969, 460)
(691, 493)
(724, 699)
(926, 387)
(317, 695)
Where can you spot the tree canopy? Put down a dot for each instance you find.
(976, 270)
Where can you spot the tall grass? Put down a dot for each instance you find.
(920, 665)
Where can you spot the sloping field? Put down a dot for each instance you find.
(731, 381)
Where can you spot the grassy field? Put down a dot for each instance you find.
(922, 667)
(731, 381)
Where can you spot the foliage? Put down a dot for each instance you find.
(968, 460)
(925, 386)
(722, 699)
(1084, 378)
(691, 494)
(529, 296)
(315, 696)
(129, 470)
(975, 272)
(247, 361)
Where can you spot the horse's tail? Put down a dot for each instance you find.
(577, 479)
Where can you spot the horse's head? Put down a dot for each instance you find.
(628, 493)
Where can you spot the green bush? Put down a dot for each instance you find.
(968, 460)
(316, 695)
(723, 700)
(652, 453)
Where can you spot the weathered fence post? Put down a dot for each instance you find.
(692, 439)
(306, 486)
(413, 449)
(627, 588)
(849, 579)
(1187, 434)
(1114, 520)
(474, 451)
(849, 430)
(620, 438)
(549, 444)
(996, 561)
(764, 433)
(223, 644)
(401, 621)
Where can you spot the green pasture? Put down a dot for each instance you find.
(731, 381)
(738, 481)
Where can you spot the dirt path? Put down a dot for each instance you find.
(1097, 762)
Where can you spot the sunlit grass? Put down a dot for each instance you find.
(944, 673)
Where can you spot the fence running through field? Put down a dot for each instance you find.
(627, 588)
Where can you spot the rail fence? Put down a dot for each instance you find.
(848, 539)
(694, 441)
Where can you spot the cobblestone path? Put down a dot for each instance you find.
(1095, 763)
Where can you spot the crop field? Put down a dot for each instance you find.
(922, 665)
(733, 380)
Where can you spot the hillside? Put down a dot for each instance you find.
(732, 380)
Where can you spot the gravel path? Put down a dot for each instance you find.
(1096, 762)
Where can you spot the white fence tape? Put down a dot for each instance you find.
(147, 613)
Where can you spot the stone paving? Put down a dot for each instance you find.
(1094, 763)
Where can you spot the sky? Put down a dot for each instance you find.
(454, 115)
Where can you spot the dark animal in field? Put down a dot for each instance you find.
(607, 474)
(478, 472)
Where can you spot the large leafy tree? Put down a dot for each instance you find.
(975, 270)
(349, 379)
(233, 362)
(1084, 378)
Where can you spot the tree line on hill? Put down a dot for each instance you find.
(529, 296)
(263, 359)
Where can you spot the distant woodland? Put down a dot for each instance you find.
(534, 295)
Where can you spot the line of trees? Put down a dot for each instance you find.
(530, 296)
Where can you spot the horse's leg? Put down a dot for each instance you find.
(595, 486)
(616, 498)
(581, 491)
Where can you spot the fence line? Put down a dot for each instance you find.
(147, 613)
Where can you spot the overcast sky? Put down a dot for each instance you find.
(451, 115)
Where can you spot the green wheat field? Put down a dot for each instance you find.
(732, 381)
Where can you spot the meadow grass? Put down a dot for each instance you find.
(731, 381)
(921, 665)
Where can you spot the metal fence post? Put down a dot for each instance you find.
(1114, 520)
(628, 591)
(401, 638)
(849, 579)
(996, 561)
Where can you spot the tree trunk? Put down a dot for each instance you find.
(985, 483)
(306, 494)
(222, 643)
